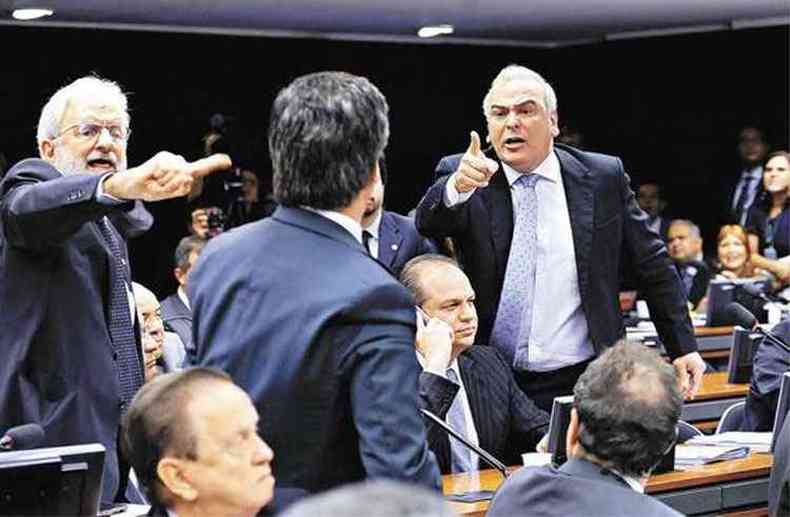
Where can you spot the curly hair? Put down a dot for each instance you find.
(628, 402)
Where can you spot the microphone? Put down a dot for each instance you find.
(746, 319)
(22, 437)
(485, 456)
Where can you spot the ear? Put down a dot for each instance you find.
(46, 149)
(572, 436)
(171, 474)
(180, 276)
(555, 128)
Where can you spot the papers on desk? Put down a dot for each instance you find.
(756, 442)
(691, 455)
(644, 331)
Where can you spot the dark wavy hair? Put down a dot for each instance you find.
(628, 402)
(326, 132)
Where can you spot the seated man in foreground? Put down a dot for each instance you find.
(472, 387)
(192, 439)
(626, 406)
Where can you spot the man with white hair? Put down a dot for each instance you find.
(71, 357)
(541, 242)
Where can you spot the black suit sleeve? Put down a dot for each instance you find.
(433, 218)
(41, 208)
(657, 277)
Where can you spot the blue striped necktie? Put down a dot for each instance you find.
(461, 456)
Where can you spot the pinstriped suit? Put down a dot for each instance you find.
(507, 422)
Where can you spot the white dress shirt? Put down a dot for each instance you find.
(373, 230)
(182, 295)
(471, 432)
(559, 336)
(349, 224)
(753, 176)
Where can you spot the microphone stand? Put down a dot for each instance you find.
(485, 456)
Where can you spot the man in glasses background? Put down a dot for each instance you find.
(72, 360)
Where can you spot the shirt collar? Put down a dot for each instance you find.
(350, 225)
(182, 295)
(753, 173)
(632, 482)
(373, 229)
(548, 169)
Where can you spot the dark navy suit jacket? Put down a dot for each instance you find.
(578, 488)
(779, 484)
(605, 221)
(399, 241)
(58, 366)
(322, 338)
(178, 318)
(507, 422)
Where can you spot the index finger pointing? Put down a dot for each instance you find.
(474, 143)
(213, 163)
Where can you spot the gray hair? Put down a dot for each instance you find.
(513, 72)
(629, 403)
(693, 228)
(382, 498)
(53, 111)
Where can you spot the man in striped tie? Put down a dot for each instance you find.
(471, 387)
(71, 345)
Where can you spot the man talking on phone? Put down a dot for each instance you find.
(471, 387)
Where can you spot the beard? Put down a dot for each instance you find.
(69, 164)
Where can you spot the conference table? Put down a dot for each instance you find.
(734, 488)
(713, 398)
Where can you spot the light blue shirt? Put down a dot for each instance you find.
(559, 335)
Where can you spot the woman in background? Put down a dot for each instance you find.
(768, 223)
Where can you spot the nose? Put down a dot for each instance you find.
(468, 312)
(512, 119)
(264, 453)
(104, 140)
(150, 343)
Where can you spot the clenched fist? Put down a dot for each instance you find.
(164, 176)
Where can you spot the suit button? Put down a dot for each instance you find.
(115, 356)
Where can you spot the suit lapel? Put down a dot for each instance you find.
(581, 209)
(500, 206)
(389, 236)
(470, 374)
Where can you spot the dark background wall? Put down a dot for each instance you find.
(671, 107)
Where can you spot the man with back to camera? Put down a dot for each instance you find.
(541, 242)
(73, 361)
(319, 334)
(471, 387)
(625, 409)
(390, 238)
(192, 440)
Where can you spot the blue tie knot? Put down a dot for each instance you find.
(529, 180)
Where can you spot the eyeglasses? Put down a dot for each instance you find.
(90, 131)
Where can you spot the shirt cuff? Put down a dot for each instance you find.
(451, 196)
(106, 199)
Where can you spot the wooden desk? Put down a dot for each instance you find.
(713, 343)
(715, 395)
(707, 489)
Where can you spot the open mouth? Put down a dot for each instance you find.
(101, 164)
(514, 141)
